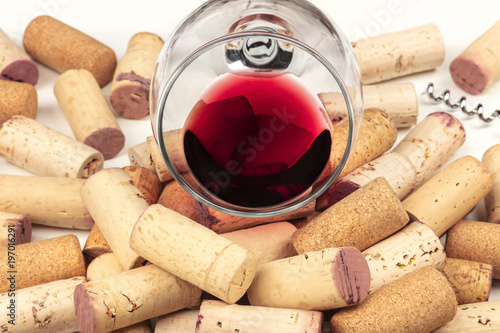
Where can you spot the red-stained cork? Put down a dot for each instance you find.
(131, 101)
(130, 90)
(470, 74)
(108, 140)
(88, 112)
(322, 280)
(84, 311)
(478, 67)
(23, 230)
(352, 277)
(21, 71)
(15, 64)
(130, 297)
(19, 224)
(46, 307)
(418, 302)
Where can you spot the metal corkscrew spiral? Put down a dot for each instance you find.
(461, 104)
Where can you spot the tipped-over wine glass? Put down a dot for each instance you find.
(235, 107)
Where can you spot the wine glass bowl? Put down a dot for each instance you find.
(235, 107)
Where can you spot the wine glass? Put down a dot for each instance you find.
(235, 107)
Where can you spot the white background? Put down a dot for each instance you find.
(114, 22)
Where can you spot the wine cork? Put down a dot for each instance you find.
(44, 151)
(61, 47)
(183, 321)
(47, 307)
(177, 199)
(450, 195)
(95, 245)
(222, 222)
(115, 204)
(432, 143)
(142, 327)
(266, 242)
(491, 160)
(322, 280)
(412, 247)
(377, 135)
(474, 318)
(400, 53)
(146, 181)
(471, 280)
(132, 79)
(299, 223)
(88, 112)
(478, 66)
(15, 229)
(397, 169)
(492, 200)
(150, 187)
(360, 220)
(106, 265)
(50, 201)
(474, 241)
(160, 166)
(216, 316)
(15, 65)
(103, 266)
(130, 297)
(193, 253)
(174, 147)
(398, 100)
(140, 155)
(17, 98)
(418, 302)
(41, 262)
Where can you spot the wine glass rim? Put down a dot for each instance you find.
(253, 211)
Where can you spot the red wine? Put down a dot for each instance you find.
(257, 141)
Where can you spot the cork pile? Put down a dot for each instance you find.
(366, 256)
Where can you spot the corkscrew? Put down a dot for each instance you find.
(461, 104)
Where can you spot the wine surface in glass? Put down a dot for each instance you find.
(257, 141)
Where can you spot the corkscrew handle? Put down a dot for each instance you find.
(460, 104)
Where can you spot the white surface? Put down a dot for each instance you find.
(114, 22)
